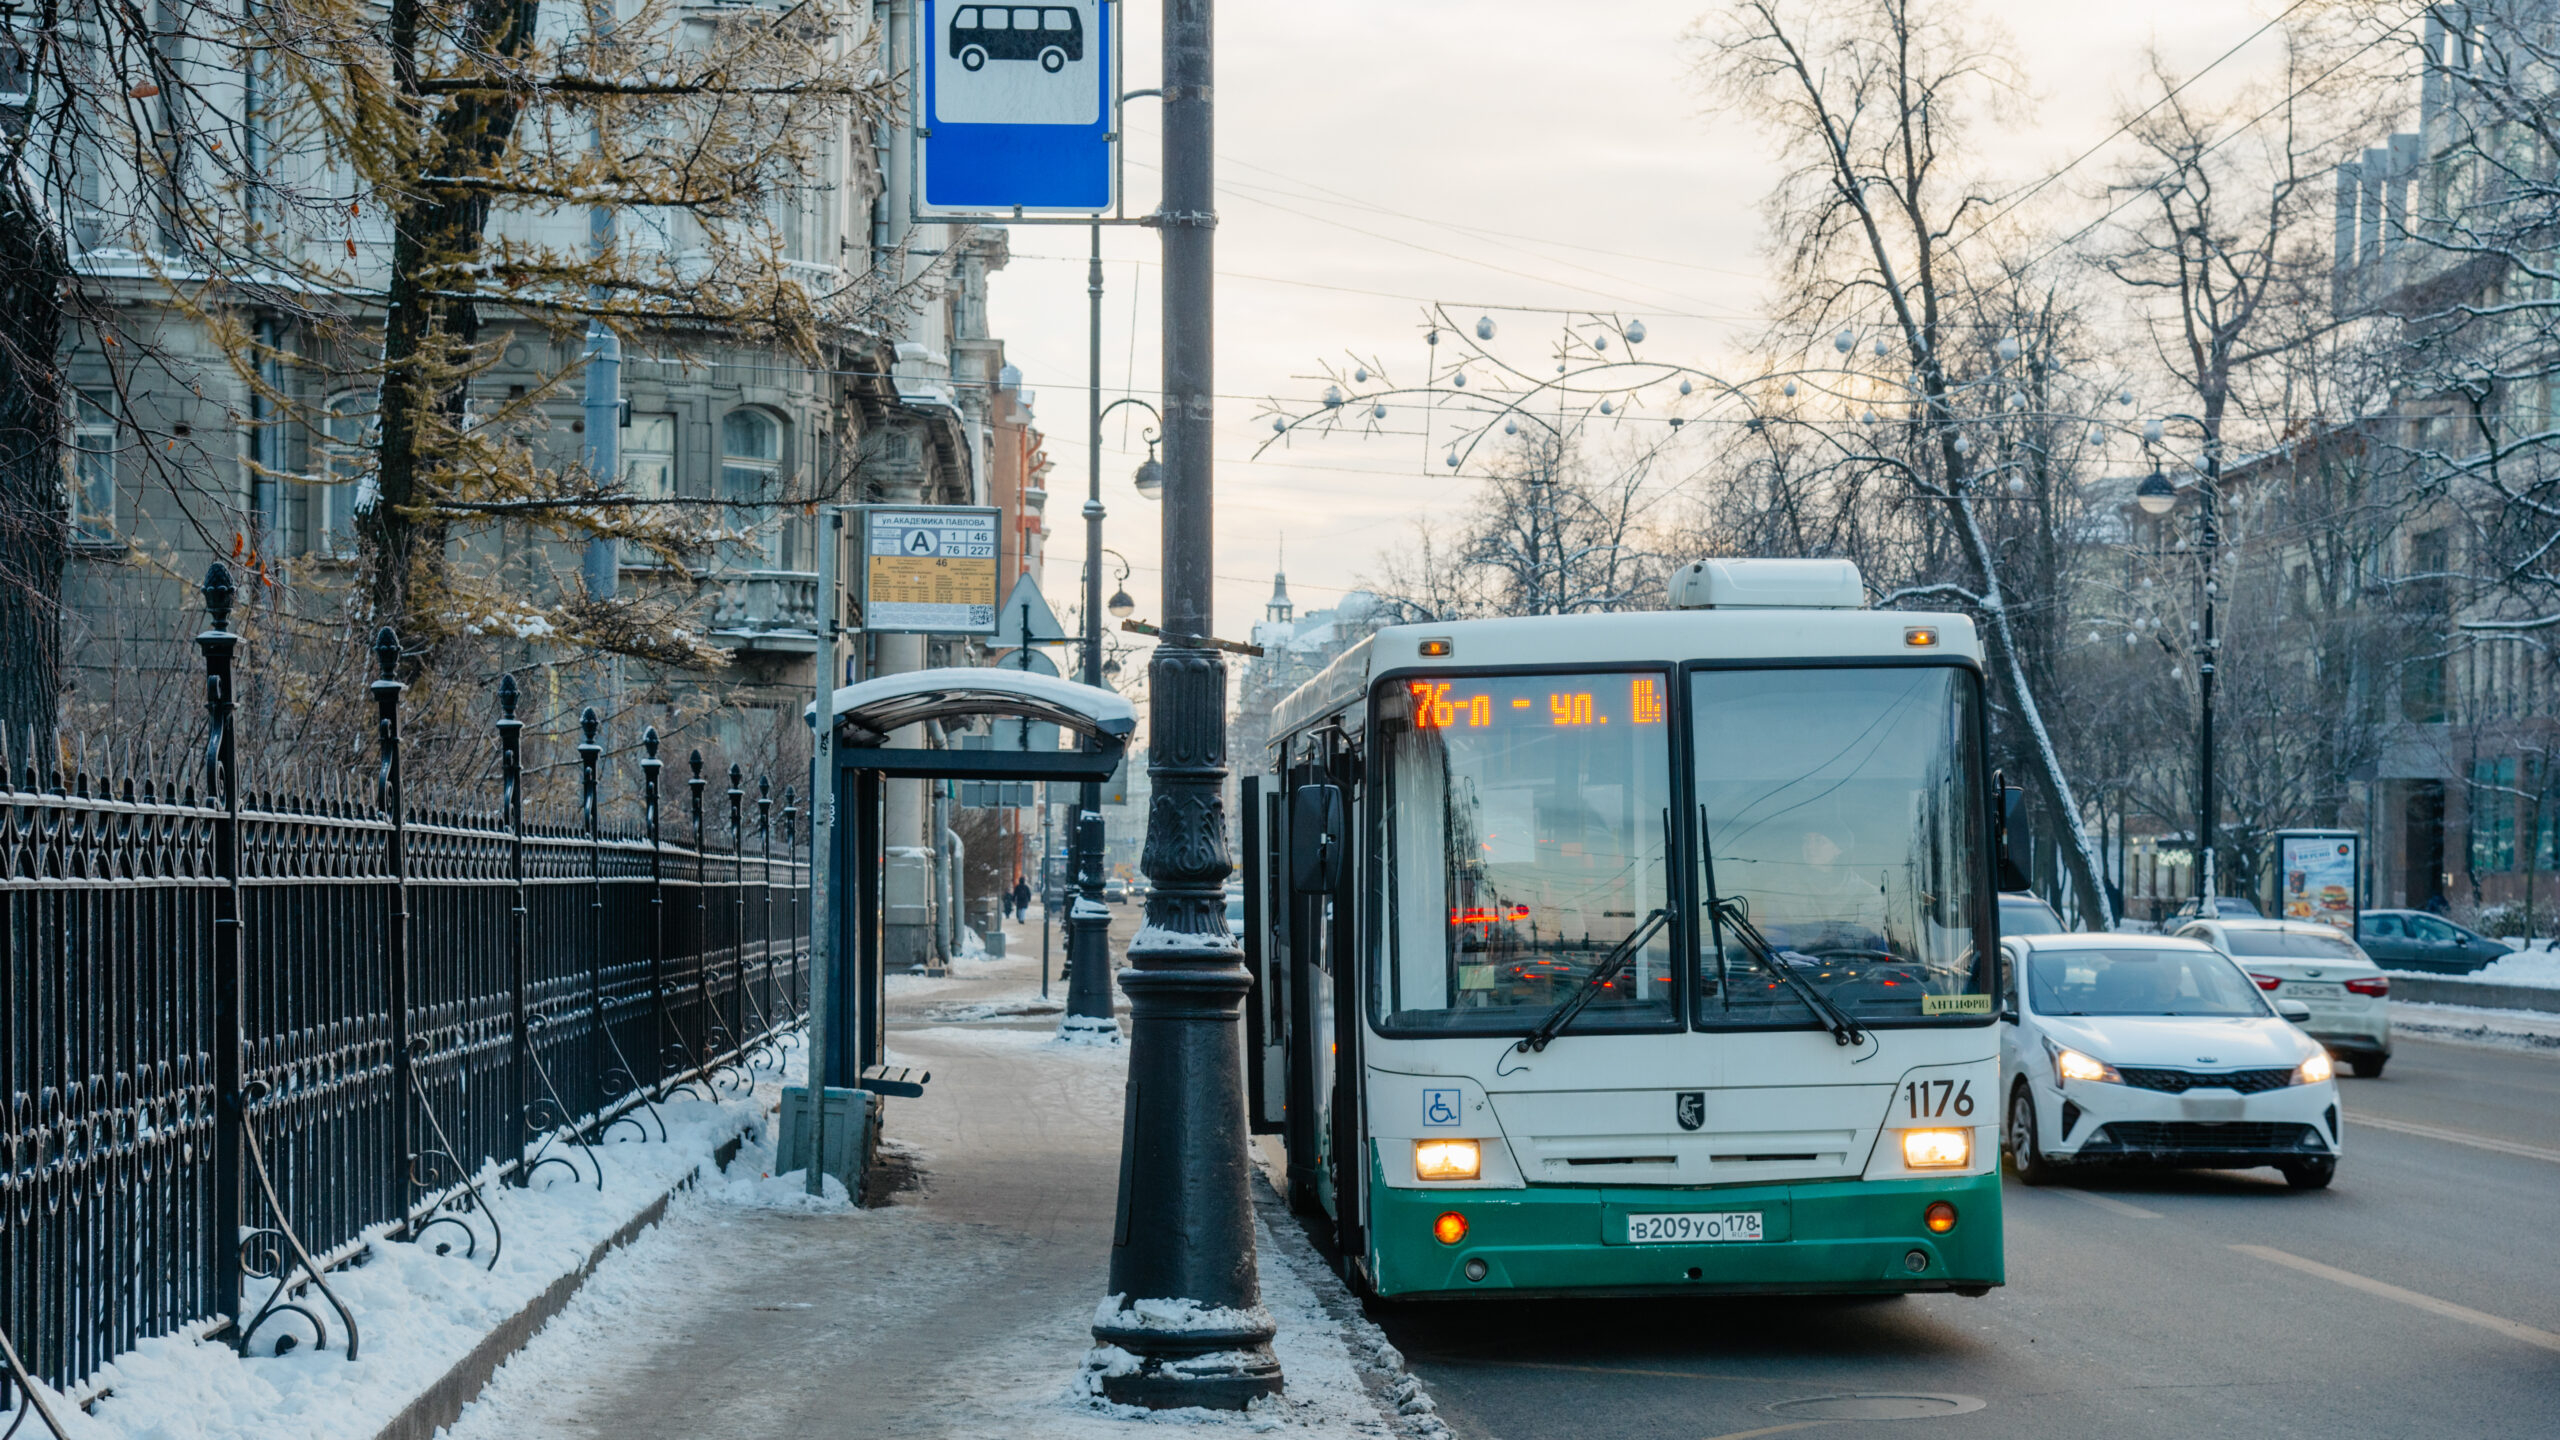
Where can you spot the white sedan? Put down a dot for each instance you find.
(2313, 963)
(2148, 1049)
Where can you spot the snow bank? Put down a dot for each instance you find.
(2538, 968)
(419, 1313)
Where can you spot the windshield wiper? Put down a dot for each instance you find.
(1571, 1005)
(1844, 1030)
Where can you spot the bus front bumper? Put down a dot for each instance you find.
(1838, 1237)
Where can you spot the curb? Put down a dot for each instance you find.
(441, 1403)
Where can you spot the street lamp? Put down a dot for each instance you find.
(1121, 606)
(1185, 1236)
(1150, 476)
(2156, 496)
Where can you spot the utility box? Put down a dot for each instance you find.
(995, 942)
(853, 1134)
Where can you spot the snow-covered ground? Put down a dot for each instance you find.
(960, 1309)
(418, 1313)
(2470, 1025)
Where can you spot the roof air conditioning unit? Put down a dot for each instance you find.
(1768, 585)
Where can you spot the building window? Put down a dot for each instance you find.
(750, 481)
(2493, 816)
(346, 482)
(89, 472)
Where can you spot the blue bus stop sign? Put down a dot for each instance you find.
(1018, 107)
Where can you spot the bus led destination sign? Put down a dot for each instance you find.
(1446, 705)
(931, 569)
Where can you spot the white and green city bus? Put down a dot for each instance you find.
(1637, 952)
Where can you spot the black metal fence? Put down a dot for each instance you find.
(241, 1029)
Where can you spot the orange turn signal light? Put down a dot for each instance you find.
(1941, 1217)
(1435, 647)
(1450, 1228)
(1920, 636)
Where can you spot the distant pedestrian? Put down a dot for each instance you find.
(1021, 897)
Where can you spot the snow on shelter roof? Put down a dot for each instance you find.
(893, 702)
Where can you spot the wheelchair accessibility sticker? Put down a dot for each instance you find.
(1439, 1107)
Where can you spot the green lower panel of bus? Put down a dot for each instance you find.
(1834, 1236)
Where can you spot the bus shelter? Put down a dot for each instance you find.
(866, 716)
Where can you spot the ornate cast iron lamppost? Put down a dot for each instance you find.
(1185, 1232)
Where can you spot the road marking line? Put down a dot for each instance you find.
(2108, 1202)
(2513, 1330)
(2460, 1137)
(1768, 1430)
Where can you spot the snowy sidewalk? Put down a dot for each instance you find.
(960, 1309)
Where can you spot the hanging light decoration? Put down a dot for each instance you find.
(1788, 389)
(2008, 347)
(1599, 342)
(1510, 427)
(1605, 408)
(1879, 347)
(1332, 397)
(1279, 426)
(1867, 418)
(1431, 339)
(2152, 430)
(1684, 387)
(1484, 327)
(1635, 332)
(1378, 412)
(1459, 379)
(1360, 375)
(1453, 457)
(2018, 486)
(1842, 341)
(1150, 476)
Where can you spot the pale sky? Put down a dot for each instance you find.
(1376, 155)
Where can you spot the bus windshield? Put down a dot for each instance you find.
(1840, 809)
(1525, 834)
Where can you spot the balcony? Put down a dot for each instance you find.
(767, 610)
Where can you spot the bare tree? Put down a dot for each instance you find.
(1868, 101)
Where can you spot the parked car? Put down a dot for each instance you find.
(2230, 907)
(1116, 890)
(2319, 966)
(2416, 940)
(2024, 914)
(2157, 1050)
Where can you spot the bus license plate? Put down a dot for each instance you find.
(1693, 1229)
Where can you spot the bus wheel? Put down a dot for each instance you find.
(1053, 59)
(973, 58)
(2024, 1156)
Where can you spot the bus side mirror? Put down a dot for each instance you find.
(1315, 839)
(2016, 847)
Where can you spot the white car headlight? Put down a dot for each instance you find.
(2072, 1065)
(2315, 1070)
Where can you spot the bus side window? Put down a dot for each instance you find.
(965, 20)
(1058, 19)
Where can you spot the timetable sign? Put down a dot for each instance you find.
(931, 569)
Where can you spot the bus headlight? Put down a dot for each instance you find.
(1447, 1159)
(1937, 1149)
